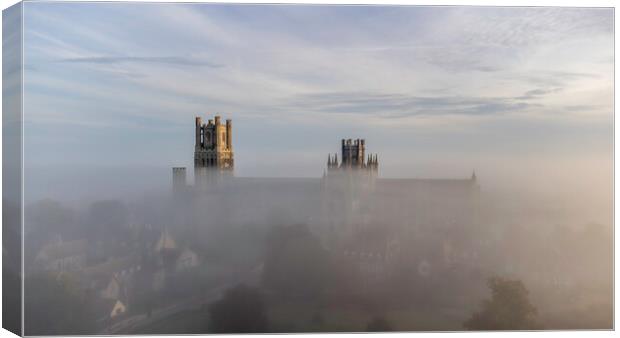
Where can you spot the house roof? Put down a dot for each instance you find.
(62, 250)
(165, 242)
(114, 265)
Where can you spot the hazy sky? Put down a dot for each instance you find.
(436, 91)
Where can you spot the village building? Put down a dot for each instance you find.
(60, 256)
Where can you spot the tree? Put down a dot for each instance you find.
(295, 262)
(56, 306)
(508, 309)
(108, 215)
(47, 220)
(378, 324)
(49, 217)
(241, 310)
(106, 227)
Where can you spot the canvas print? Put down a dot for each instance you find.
(194, 168)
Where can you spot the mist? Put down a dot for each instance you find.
(430, 248)
(489, 206)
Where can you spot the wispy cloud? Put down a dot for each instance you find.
(415, 68)
(174, 60)
(538, 93)
(399, 106)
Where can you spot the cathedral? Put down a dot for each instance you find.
(348, 198)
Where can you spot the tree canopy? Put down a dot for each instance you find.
(241, 310)
(378, 324)
(53, 305)
(295, 262)
(508, 309)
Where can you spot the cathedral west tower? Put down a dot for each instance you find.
(213, 148)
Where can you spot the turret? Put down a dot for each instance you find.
(198, 133)
(229, 134)
(353, 154)
(361, 151)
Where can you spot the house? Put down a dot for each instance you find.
(118, 309)
(165, 243)
(111, 278)
(187, 260)
(62, 256)
(113, 290)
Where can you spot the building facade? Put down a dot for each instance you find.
(352, 155)
(357, 214)
(213, 151)
(350, 194)
(348, 197)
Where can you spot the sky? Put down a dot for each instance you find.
(435, 91)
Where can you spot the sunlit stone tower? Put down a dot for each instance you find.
(213, 153)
